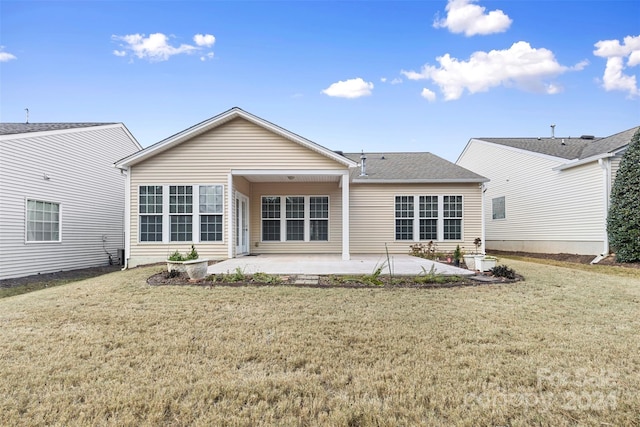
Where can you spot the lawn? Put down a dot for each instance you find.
(561, 348)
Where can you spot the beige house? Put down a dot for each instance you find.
(238, 185)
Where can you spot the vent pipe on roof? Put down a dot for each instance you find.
(553, 131)
(363, 164)
(27, 110)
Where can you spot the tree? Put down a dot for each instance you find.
(623, 222)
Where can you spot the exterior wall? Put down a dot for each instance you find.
(334, 245)
(208, 159)
(546, 210)
(82, 180)
(373, 216)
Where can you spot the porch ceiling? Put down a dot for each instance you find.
(292, 178)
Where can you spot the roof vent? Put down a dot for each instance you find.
(363, 164)
(27, 110)
(382, 157)
(587, 137)
(553, 131)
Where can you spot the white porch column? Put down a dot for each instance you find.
(230, 240)
(345, 216)
(483, 236)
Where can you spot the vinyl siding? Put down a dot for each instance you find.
(82, 180)
(554, 210)
(208, 159)
(372, 208)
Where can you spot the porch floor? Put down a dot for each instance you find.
(325, 264)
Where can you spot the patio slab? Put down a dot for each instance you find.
(325, 264)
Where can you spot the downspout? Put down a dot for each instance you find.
(605, 164)
(482, 232)
(127, 216)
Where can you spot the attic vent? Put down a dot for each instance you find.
(363, 164)
(382, 157)
(339, 152)
(587, 137)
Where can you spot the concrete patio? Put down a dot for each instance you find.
(325, 264)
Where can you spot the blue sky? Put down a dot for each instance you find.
(366, 75)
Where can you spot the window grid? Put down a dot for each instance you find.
(180, 199)
(43, 221)
(150, 199)
(181, 228)
(404, 217)
(452, 212)
(271, 218)
(319, 214)
(151, 228)
(211, 198)
(211, 228)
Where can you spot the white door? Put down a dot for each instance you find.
(242, 224)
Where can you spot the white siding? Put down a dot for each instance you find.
(372, 210)
(85, 183)
(546, 210)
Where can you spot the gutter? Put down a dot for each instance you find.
(576, 162)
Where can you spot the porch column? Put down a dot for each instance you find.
(230, 216)
(345, 216)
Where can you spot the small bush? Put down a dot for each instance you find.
(193, 254)
(176, 256)
(267, 279)
(503, 271)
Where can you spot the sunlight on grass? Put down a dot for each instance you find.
(559, 348)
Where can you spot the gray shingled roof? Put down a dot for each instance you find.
(411, 167)
(567, 147)
(15, 128)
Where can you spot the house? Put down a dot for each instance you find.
(61, 200)
(239, 185)
(547, 195)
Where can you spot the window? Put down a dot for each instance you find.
(271, 219)
(452, 213)
(181, 213)
(438, 217)
(498, 208)
(304, 218)
(428, 217)
(180, 210)
(404, 217)
(319, 214)
(150, 208)
(43, 221)
(210, 213)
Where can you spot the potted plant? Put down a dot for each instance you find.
(470, 259)
(190, 263)
(486, 263)
(457, 256)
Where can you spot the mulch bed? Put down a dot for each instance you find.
(574, 258)
(70, 275)
(163, 279)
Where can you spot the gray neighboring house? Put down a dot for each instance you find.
(547, 195)
(61, 200)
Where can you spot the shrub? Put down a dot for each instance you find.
(503, 271)
(193, 254)
(176, 256)
(623, 222)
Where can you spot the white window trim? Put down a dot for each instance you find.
(416, 218)
(26, 221)
(504, 208)
(195, 215)
(307, 218)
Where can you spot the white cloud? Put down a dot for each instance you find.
(614, 78)
(383, 79)
(206, 40)
(209, 55)
(157, 48)
(429, 95)
(6, 56)
(396, 81)
(521, 66)
(463, 16)
(353, 88)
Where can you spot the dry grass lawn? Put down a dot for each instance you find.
(561, 348)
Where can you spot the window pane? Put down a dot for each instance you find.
(181, 226)
(428, 229)
(271, 230)
(498, 208)
(428, 206)
(295, 207)
(319, 207)
(211, 228)
(295, 229)
(404, 229)
(151, 228)
(150, 199)
(404, 206)
(452, 207)
(211, 199)
(271, 207)
(319, 229)
(42, 221)
(180, 199)
(452, 229)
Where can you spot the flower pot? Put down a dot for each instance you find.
(196, 269)
(176, 265)
(485, 264)
(470, 261)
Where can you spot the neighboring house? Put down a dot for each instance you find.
(547, 195)
(236, 185)
(61, 200)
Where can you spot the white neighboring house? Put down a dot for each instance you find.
(61, 199)
(547, 195)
